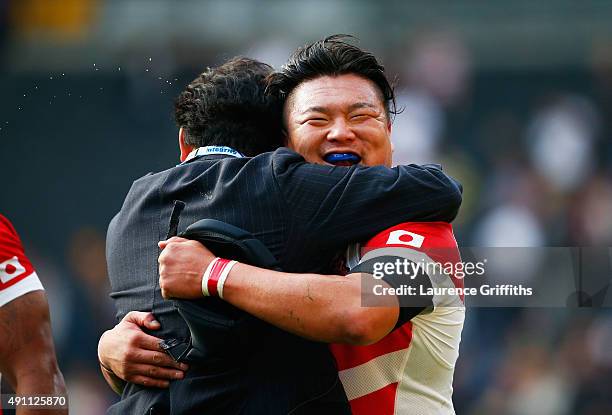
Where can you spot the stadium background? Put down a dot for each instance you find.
(514, 99)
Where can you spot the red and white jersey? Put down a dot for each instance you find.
(409, 371)
(17, 276)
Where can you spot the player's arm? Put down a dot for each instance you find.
(27, 353)
(128, 354)
(335, 206)
(325, 308)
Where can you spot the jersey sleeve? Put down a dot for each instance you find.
(421, 253)
(17, 275)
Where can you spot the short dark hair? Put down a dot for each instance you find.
(331, 56)
(227, 106)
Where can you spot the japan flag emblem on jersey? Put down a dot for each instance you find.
(11, 268)
(401, 237)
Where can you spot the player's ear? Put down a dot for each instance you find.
(183, 146)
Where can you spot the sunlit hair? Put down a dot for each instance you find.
(227, 106)
(331, 56)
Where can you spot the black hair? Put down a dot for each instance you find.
(227, 106)
(331, 56)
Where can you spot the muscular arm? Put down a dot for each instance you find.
(27, 353)
(325, 308)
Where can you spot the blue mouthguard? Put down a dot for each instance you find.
(338, 157)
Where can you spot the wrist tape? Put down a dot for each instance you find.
(214, 277)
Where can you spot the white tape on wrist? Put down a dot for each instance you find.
(223, 277)
(214, 277)
(206, 277)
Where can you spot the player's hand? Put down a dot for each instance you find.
(135, 356)
(181, 266)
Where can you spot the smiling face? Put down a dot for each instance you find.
(329, 116)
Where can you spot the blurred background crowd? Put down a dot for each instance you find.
(515, 100)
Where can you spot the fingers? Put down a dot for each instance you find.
(163, 244)
(154, 369)
(150, 382)
(157, 359)
(177, 245)
(151, 323)
(162, 359)
(145, 341)
(155, 373)
(136, 339)
(142, 319)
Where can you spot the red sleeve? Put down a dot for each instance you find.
(14, 265)
(436, 239)
(416, 235)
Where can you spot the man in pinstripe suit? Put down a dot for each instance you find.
(299, 211)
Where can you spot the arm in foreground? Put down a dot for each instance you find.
(128, 354)
(324, 308)
(27, 353)
(355, 203)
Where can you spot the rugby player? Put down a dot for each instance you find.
(27, 353)
(391, 359)
(360, 134)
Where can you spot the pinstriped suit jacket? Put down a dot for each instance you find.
(304, 213)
